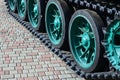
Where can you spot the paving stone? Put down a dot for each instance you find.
(7, 76)
(49, 73)
(24, 75)
(17, 75)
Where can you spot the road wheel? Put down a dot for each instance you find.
(22, 8)
(56, 19)
(85, 35)
(112, 39)
(35, 9)
(12, 5)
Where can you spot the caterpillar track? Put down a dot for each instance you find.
(99, 37)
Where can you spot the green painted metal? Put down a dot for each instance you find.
(82, 41)
(112, 39)
(54, 23)
(34, 13)
(21, 7)
(12, 4)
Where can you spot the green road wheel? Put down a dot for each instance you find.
(56, 17)
(34, 13)
(84, 39)
(112, 39)
(22, 8)
(12, 5)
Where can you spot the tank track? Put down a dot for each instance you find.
(67, 58)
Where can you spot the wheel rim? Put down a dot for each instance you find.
(82, 42)
(54, 23)
(12, 4)
(34, 13)
(21, 8)
(113, 44)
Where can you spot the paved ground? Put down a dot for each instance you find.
(24, 57)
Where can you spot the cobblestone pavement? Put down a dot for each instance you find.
(24, 57)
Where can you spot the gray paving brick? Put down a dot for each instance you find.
(17, 76)
(8, 68)
(43, 69)
(21, 57)
(11, 79)
(44, 65)
(49, 73)
(30, 74)
(12, 64)
(45, 78)
(54, 65)
(7, 76)
(25, 71)
(13, 72)
(65, 76)
(40, 78)
(23, 64)
(17, 61)
(60, 68)
(27, 67)
(32, 70)
(32, 63)
(35, 74)
(23, 75)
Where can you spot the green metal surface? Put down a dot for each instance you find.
(21, 7)
(33, 13)
(82, 42)
(54, 23)
(112, 38)
(12, 4)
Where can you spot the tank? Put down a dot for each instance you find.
(89, 30)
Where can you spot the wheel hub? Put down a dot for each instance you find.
(85, 40)
(57, 21)
(35, 9)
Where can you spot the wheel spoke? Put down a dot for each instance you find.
(84, 54)
(81, 29)
(91, 34)
(78, 46)
(78, 36)
(117, 48)
(59, 35)
(55, 30)
(87, 29)
(56, 12)
(89, 57)
(35, 16)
